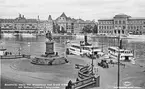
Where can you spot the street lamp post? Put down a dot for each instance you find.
(92, 62)
(119, 47)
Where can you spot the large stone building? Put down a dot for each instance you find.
(121, 24)
(45, 25)
(71, 25)
(20, 24)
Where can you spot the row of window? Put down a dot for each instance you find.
(105, 31)
(134, 27)
(105, 27)
(123, 27)
(121, 22)
(106, 22)
(136, 22)
(69, 27)
(115, 31)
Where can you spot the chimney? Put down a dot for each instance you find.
(19, 15)
(85, 39)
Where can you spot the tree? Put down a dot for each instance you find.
(87, 29)
(95, 29)
(54, 28)
(57, 27)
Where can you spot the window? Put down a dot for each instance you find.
(119, 22)
(119, 31)
(107, 27)
(122, 31)
(123, 22)
(104, 27)
(116, 22)
(114, 31)
(99, 27)
(123, 27)
(134, 27)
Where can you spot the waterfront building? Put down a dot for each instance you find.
(121, 24)
(71, 25)
(24, 25)
(19, 24)
(45, 25)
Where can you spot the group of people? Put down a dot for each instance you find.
(8, 53)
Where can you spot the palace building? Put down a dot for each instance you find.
(20, 24)
(121, 24)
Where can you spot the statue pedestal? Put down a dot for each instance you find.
(49, 48)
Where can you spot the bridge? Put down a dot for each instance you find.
(85, 79)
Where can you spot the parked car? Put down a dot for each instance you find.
(103, 64)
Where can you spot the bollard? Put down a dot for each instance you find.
(98, 81)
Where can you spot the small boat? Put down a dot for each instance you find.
(27, 35)
(125, 55)
(8, 55)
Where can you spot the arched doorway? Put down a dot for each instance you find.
(115, 31)
(118, 31)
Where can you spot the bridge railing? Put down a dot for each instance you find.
(91, 81)
(85, 79)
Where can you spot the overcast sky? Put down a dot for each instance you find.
(85, 9)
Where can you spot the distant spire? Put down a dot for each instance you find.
(38, 17)
(49, 18)
(19, 15)
(23, 16)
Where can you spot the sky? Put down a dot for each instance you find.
(85, 9)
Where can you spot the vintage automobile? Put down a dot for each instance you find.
(103, 64)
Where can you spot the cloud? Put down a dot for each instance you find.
(86, 9)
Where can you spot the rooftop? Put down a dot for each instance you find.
(63, 15)
(121, 16)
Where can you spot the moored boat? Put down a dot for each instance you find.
(27, 35)
(8, 55)
(125, 54)
(78, 49)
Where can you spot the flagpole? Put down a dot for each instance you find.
(118, 83)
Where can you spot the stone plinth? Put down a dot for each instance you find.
(49, 48)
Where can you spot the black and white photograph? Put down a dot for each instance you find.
(72, 44)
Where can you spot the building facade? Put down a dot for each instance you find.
(121, 24)
(71, 25)
(20, 24)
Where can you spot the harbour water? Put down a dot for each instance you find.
(36, 46)
(31, 45)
